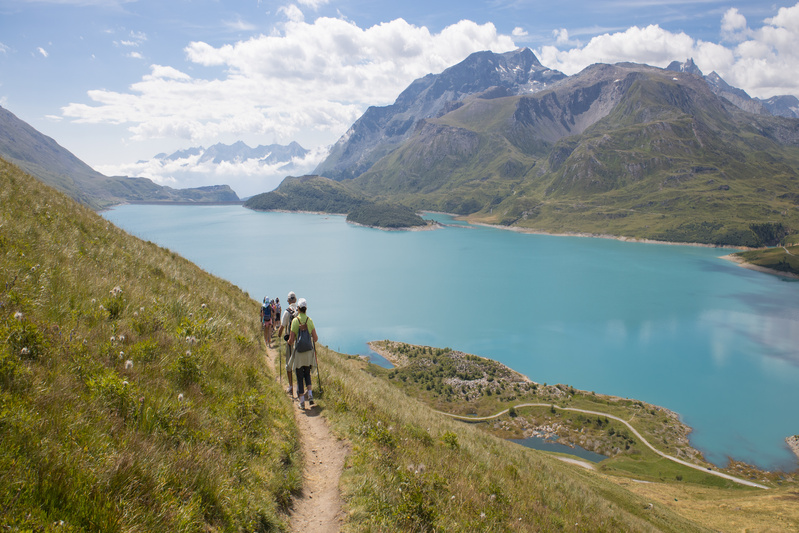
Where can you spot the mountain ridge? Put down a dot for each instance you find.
(628, 150)
(42, 157)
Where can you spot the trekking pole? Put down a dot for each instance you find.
(280, 363)
(318, 378)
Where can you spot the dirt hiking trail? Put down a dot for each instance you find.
(319, 507)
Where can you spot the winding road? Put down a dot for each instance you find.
(635, 432)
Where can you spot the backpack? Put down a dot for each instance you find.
(304, 339)
(266, 311)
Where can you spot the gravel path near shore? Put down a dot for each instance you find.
(635, 432)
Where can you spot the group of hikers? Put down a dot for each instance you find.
(297, 329)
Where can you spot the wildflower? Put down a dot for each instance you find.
(18, 315)
(94, 301)
(113, 339)
(188, 353)
(135, 313)
(204, 306)
(482, 515)
(180, 397)
(141, 309)
(121, 338)
(125, 383)
(121, 355)
(128, 364)
(492, 497)
(116, 291)
(24, 351)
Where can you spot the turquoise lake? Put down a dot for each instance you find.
(675, 326)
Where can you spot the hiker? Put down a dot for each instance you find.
(278, 313)
(303, 339)
(266, 320)
(285, 325)
(275, 318)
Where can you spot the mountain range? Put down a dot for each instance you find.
(51, 163)
(627, 150)
(272, 154)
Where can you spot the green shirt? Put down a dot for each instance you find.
(301, 319)
(300, 359)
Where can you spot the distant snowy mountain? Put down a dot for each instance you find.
(247, 170)
(780, 106)
(783, 106)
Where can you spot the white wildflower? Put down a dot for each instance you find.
(116, 291)
(141, 309)
(188, 353)
(482, 515)
(24, 351)
(128, 364)
(180, 397)
(125, 383)
(204, 306)
(18, 315)
(121, 355)
(121, 338)
(94, 301)
(135, 313)
(113, 339)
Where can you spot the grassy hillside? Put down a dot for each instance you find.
(134, 394)
(319, 194)
(625, 150)
(412, 469)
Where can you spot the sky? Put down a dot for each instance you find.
(118, 81)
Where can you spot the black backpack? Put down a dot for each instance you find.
(304, 339)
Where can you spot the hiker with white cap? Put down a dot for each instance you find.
(285, 325)
(303, 339)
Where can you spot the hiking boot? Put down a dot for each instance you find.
(310, 398)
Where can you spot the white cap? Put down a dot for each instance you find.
(302, 303)
(292, 296)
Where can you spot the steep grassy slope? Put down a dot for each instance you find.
(134, 394)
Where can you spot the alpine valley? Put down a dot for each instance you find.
(626, 150)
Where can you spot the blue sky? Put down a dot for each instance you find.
(118, 81)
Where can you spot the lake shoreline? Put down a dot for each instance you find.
(554, 432)
(743, 263)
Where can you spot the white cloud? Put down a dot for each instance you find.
(292, 13)
(311, 79)
(135, 55)
(240, 25)
(4, 49)
(315, 4)
(733, 25)
(246, 177)
(519, 32)
(42, 51)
